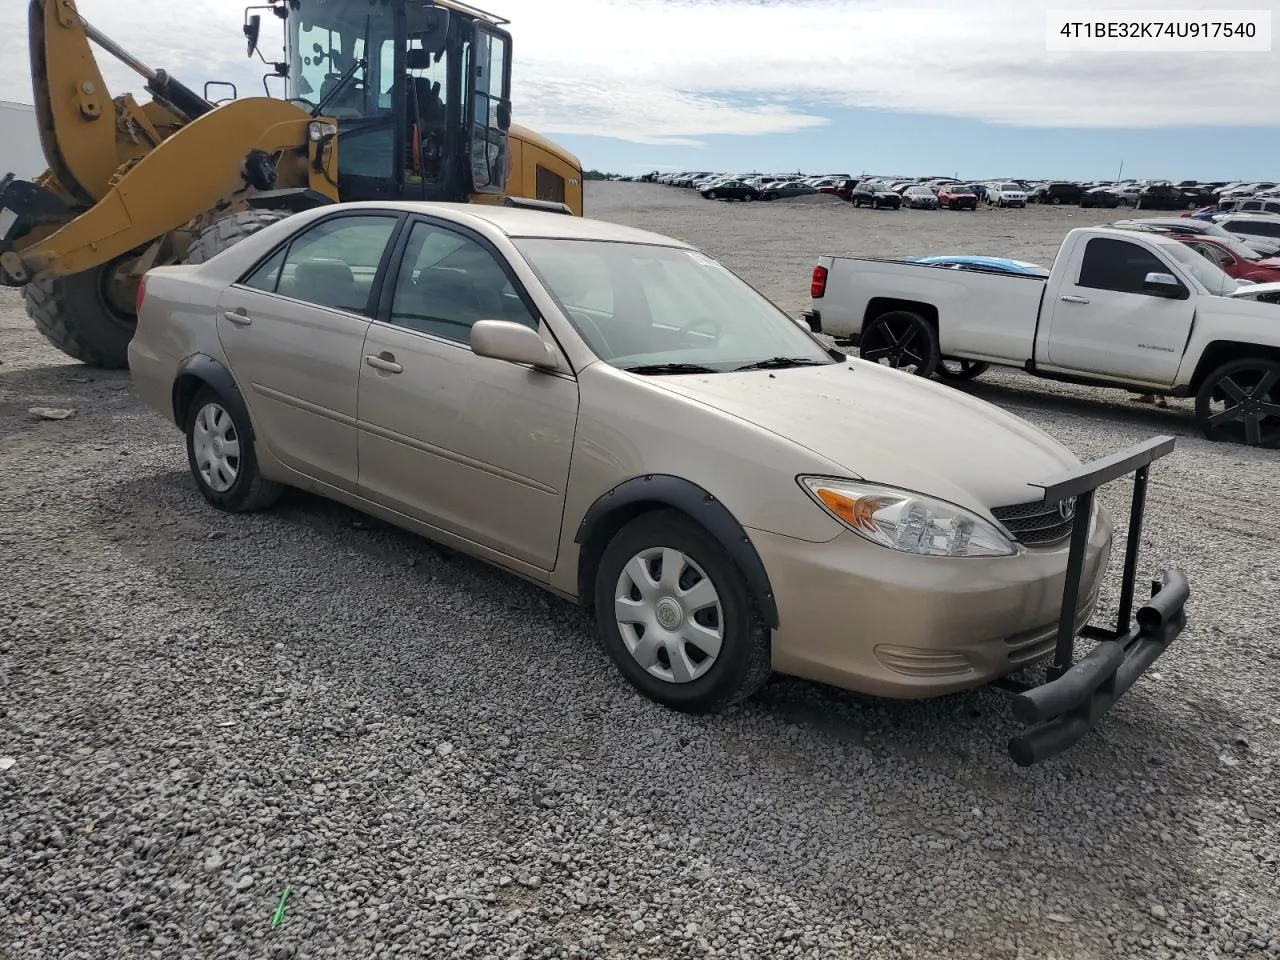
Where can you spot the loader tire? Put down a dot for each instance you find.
(79, 316)
(229, 231)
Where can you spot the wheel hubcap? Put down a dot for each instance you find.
(216, 447)
(669, 615)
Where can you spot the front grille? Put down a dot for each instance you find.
(1038, 524)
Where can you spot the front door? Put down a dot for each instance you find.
(293, 331)
(1104, 323)
(475, 446)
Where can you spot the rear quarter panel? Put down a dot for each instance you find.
(982, 316)
(177, 320)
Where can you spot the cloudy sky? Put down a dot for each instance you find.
(824, 85)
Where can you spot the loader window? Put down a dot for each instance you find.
(491, 55)
(325, 38)
(550, 185)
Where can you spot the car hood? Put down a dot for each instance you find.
(1271, 263)
(889, 427)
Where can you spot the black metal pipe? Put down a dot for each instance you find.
(1064, 651)
(1167, 603)
(185, 100)
(1065, 729)
(1133, 542)
(1069, 691)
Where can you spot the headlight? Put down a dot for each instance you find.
(317, 130)
(907, 521)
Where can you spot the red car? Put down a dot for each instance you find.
(1236, 260)
(957, 197)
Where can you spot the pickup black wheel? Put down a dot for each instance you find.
(950, 368)
(1240, 403)
(903, 340)
(677, 617)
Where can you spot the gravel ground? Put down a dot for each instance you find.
(437, 761)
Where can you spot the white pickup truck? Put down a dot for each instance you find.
(1119, 308)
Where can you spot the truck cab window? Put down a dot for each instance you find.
(1117, 265)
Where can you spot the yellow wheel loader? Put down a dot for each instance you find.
(383, 99)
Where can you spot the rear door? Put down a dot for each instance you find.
(293, 331)
(1101, 321)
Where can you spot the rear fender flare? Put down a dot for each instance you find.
(199, 370)
(665, 490)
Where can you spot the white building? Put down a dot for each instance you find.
(20, 151)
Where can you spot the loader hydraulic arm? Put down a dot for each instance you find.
(79, 122)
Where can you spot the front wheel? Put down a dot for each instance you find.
(675, 615)
(902, 340)
(951, 368)
(1240, 403)
(712, 195)
(90, 315)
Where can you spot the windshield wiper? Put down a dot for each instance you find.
(781, 363)
(653, 368)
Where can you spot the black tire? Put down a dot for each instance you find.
(743, 664)
(951, 368)
(249, 490)
(1250, 391)
(229, 231)
(711, 195)
(78, 316)
(901, 337)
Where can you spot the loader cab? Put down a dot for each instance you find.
(420, 93)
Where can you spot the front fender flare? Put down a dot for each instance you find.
(202, 368)
(704, 509)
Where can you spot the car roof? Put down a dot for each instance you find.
(522, 222)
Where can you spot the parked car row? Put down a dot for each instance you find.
(949, 193)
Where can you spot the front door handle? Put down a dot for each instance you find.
(383, 362)
(241, 319)
(1073, 299)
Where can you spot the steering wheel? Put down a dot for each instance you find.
(588, 321)
(707, 323)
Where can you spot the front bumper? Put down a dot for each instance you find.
(890, 624)
(872, 620)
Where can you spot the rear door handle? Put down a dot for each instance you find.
(1073, 299)
(241, 319)
(382, 363)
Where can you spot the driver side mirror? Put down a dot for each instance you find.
(1164, 285)
(512, 342)
(252, 31)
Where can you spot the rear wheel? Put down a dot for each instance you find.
(221, 457)
(1240, 403)
(676, 616)
(90, 315)
(903, 340)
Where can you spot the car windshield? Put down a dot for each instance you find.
(918, 191)
(641, 305)
(1010, 186)
(1208, 273)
